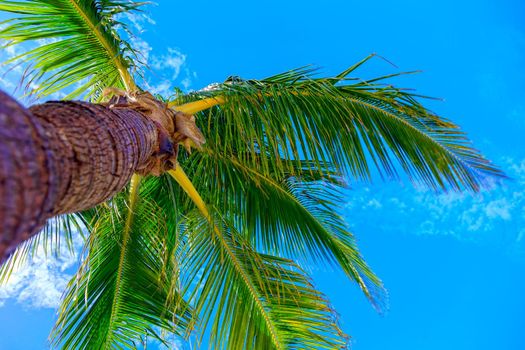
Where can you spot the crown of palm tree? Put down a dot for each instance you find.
(214, 244)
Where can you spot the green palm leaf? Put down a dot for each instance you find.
(289, 216)
(254, 300)
(271, 124)
(126, 287)
(83, 50)
(276, 149)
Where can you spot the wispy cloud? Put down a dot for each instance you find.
(494, 216)
(10, 75)
(138, 20)
(40, 282)
(172, 61)
(169, 69)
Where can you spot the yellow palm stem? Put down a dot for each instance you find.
(201, 105)
(185, 183)
(197, 106)
(182, 179)
(127, 79)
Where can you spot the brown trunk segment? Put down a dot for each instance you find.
(63, 157)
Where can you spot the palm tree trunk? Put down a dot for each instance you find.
(63, 157)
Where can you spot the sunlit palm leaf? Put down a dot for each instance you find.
(254, 300)
(289, 216)
(273, 123)
(272, 146)
(80, 47)
(125, 288)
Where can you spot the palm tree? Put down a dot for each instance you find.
(215, 240)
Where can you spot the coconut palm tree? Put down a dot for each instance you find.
(211, 240)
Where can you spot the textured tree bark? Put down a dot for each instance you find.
(63, 157)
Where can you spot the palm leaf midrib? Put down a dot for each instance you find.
(192, 192)
(133, 198)
(271, 182)
(112, 52)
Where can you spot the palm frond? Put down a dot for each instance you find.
(240, 291)
(253, 300)
(289, 216)
(271, 124)
(78, 44)
(125, 288)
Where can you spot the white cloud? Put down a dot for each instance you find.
(169, 67)
(494, 216)
(143, 49)
(168, 70)
(175, 343)
(499, 208)
(40, 282)
(6, 83)
(10, 75)
(171, 62)
(161, 87)
(374, 203)
(138, 20)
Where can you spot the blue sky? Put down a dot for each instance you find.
(453, 263)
